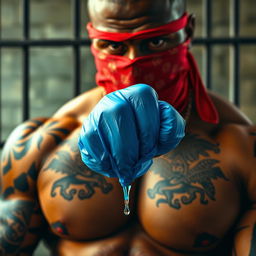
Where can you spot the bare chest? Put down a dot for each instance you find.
(192, 192)
(188, 192)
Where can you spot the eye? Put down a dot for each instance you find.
(115, 47)
(157, 43)
(111, 47)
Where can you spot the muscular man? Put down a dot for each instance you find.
(198, 199)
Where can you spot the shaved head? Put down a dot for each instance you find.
(132, 15)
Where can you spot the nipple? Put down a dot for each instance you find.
(126, 190)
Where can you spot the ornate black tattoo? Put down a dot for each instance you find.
(22, 144)
(253, 242)
(9, 191)
(21, 183)
(205, 240)
(14, 220)
(24, 139)
(186, 174)
(79, 179)
(53, 130)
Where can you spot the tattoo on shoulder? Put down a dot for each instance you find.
(78, 179)
(22, 143)
(23, 140)
(14, 220)
(187, 172)
(54, 130)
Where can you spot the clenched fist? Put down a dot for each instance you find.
(126, 130)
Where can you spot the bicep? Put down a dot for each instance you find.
(19, 161)
(18, 179)
(14, 220)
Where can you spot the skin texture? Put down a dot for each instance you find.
(198, 199)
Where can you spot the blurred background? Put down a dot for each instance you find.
(46, 61)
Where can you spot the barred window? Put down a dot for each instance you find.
(45, 50)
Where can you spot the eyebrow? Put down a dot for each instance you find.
(147, 39)
(109, 41)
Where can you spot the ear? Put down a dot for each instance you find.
(190, 28)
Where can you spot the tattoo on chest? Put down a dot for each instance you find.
(79, 180)
(187, 173)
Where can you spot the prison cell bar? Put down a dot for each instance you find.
(77, 42)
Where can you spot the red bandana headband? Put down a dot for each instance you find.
(171, 73)
(171, 27)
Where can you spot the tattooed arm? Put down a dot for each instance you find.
(14, 221)
(245, 236)
(18, 181)
(23, 153)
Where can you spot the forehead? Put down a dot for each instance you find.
(131, 15)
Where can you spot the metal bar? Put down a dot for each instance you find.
(77, 71)
(234, 40)
(77, 18)
(25, 84)
(87, 42)
(1, 107)
(25, 79)
(2, 144)
(236, 22)
(236, 75)
(76, 47)
(26, 19)
(208, 18)
(208, 12)
(45, 43)
(236, 17)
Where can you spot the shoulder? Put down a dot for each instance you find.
(82, 105)
(239, 146)
(228, 112)
(22, 134)
(37, 129)
(32, 139)
(240, 137)
(238, 134)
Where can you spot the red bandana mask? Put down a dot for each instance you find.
(173, 73)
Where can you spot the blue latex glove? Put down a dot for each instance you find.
(126, 130)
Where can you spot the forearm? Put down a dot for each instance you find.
(14, 221)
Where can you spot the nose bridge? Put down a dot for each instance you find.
(133, 51)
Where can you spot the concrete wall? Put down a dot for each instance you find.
(51, 70)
